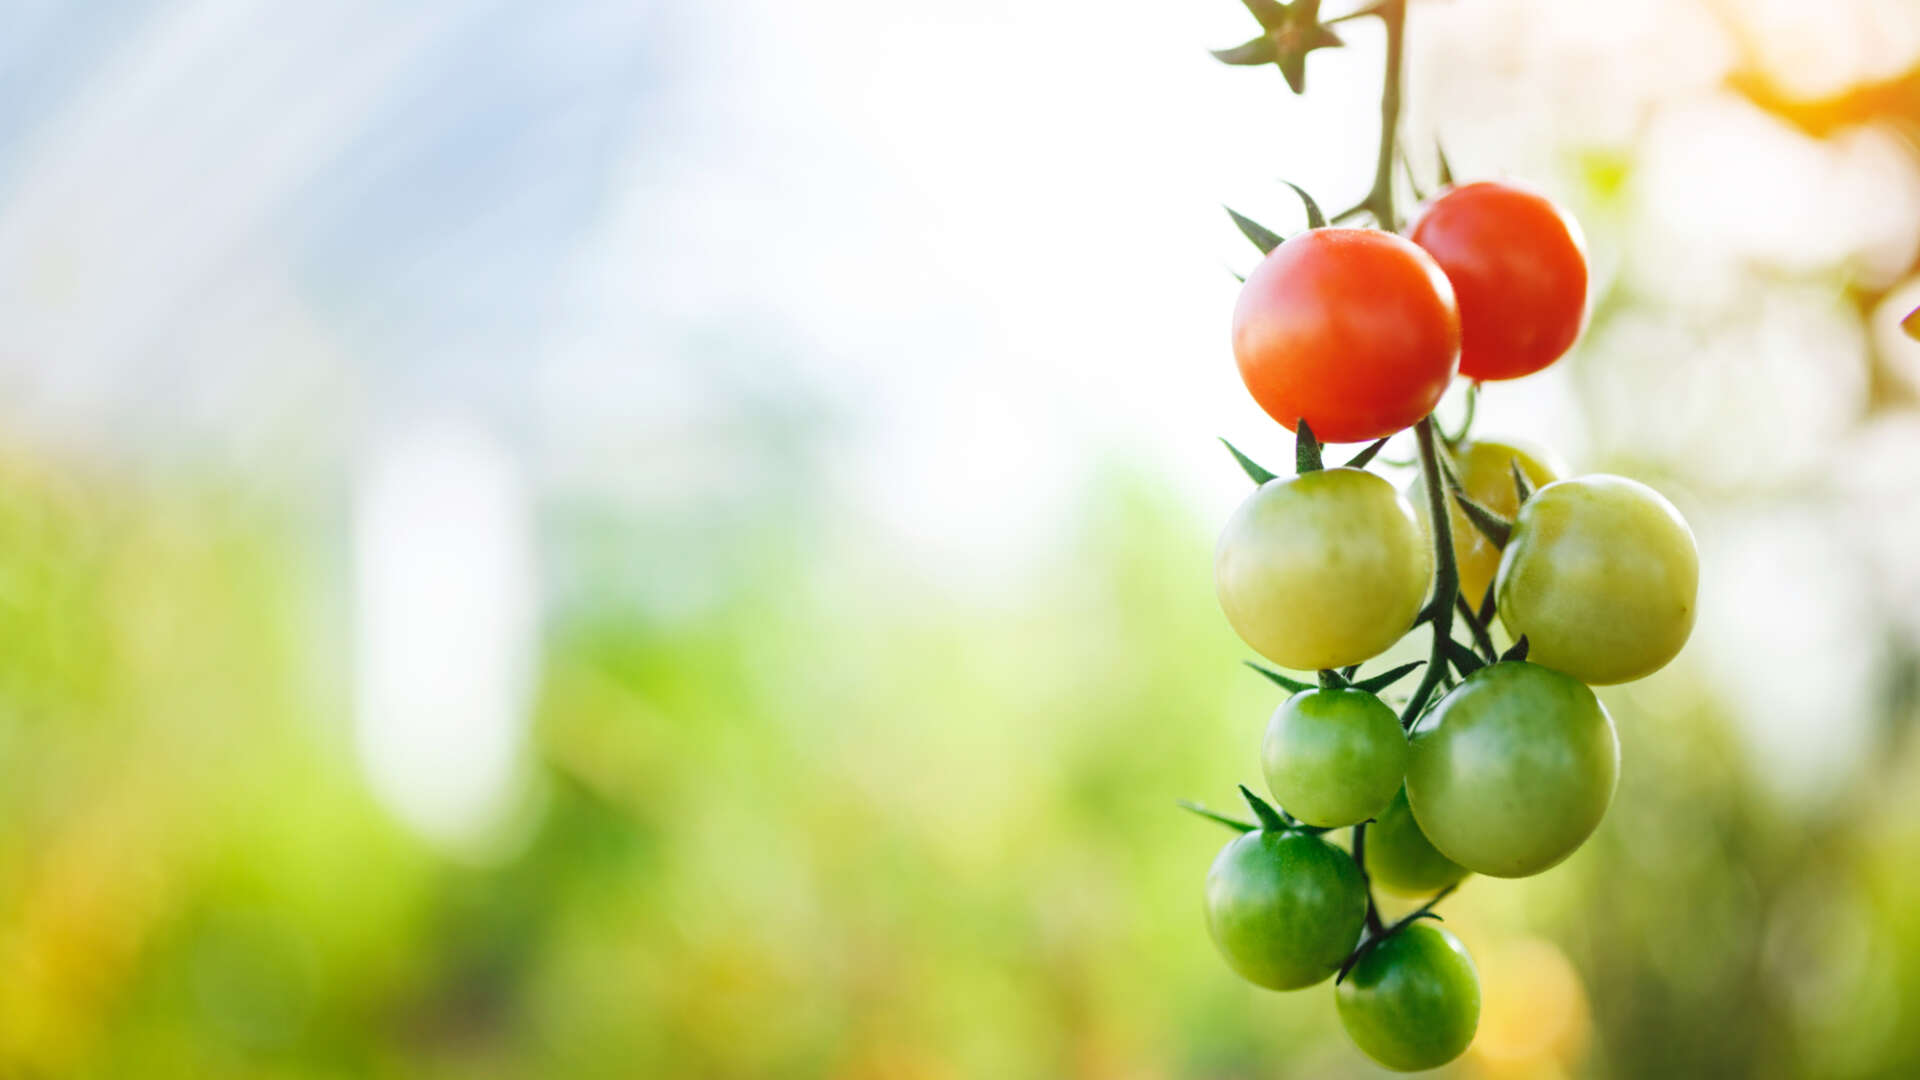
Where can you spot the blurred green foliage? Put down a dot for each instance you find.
(833, 823)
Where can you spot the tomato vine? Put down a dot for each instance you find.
(1354, 334)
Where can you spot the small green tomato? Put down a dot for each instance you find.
(1334, 757)
(1322, 570)
(1514, 770)
(1400, 858)
(1413, 1002)
(1285, 908)
(1600, 575)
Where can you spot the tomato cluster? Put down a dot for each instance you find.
(1500, 763)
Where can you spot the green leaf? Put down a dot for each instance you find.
(1352, 212)
(1278, 679)
(1259, 474)
(1462, 658)
(1446, 169)
(1250, 53)
(1229, 822)
(1293, 68)
(1270, 819)
(1306, 448)
(1270, 13)
(1521, 485)
(1373, 685)
(1315, 219)
(1380, 682)
(1332, 680)
(1361, 459)
(1263, 238)
(1496, 529)
(1518, 651)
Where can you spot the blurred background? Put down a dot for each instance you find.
(608, 539)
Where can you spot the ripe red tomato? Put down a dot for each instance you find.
(1354, 330)
(1518, 264)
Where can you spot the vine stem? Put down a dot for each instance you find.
(1379, 199)
(1360, 860)
(1393, 13)
(1446, 577)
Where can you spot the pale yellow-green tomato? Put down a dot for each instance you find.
(1334, 757)
(1601, 575)
(1485, 468)
(1322, 570)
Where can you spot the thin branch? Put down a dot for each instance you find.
(1481, 638)
(1360, 860)
(1446, 577)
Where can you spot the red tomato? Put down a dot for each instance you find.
(1519, 268)
(1353, 330)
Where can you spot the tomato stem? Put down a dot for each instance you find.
(1446, 577)
(1481, 638)
(1360, 860)
(1379, 201)
(1466, 420)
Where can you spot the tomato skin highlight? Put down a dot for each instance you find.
(1334, 758)
(1602, 576)
(1285, 908)
(1322, 570)
(1518, 264)
(1413, 1002)
(1513, 770)
(1354, 330)
(1400, 858)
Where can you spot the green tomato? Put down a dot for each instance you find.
(1322, 570)
(1285, 908)
(1514, 770)
(1600, 576)
(1400, 858)
(1334, 757)
(1413, 1002)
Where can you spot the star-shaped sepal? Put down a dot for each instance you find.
(1288, 32)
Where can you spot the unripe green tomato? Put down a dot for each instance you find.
(1600, 576)
(1334, 757)
(1514, 769)
(1322, 570)
(1285, 908)
(1485, 469)
(1400, 858)
(1413, 1002)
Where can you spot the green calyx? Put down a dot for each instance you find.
(1288, 32)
